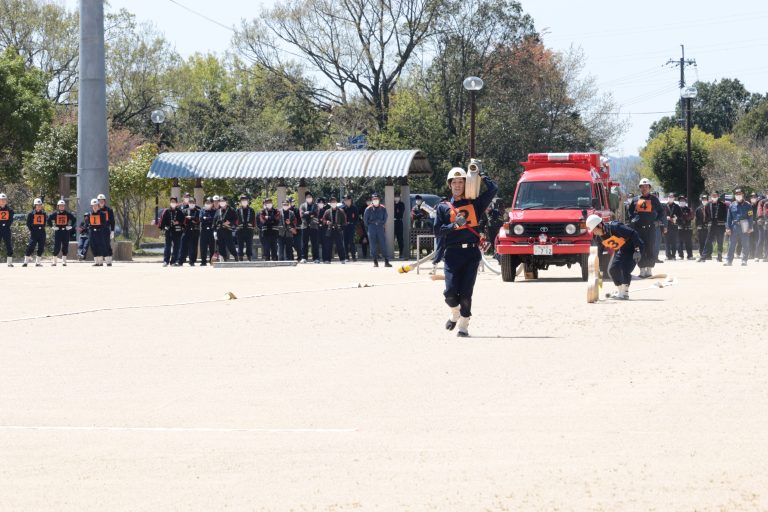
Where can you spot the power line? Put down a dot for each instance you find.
(201, 15)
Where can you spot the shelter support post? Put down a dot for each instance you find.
(302, 191)
(175, 189)
(405, 197)
(198, 194)
(281, 193)
(389, 203)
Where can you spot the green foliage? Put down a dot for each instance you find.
(132, 191)
(55, 153)
(743, 163)
(664, 158)
(24, 108)
(754, 124)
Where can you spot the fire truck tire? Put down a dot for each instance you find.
(508, 268)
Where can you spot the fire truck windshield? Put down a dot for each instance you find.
(553, 195)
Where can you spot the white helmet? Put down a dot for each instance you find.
(37, 201)
(593, 221)
(456, 172)
(216, 198)
(645, 181)
(3, 196)
(94, 202)
(61, 202)
(101, 196)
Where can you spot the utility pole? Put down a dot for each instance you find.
(682, 63)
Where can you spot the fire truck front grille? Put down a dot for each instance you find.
(547, 229)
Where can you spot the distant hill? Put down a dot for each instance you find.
(626, 170)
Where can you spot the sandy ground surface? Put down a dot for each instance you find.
(322, 396)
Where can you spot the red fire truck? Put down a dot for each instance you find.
(546, 225)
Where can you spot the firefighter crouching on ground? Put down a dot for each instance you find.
(627, 247)
(456, 223)
(62, 222)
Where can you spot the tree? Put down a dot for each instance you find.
(46, 36)
(132, 191)
(739, 163)
(24, 109)
(665, 158)
(55, 153)
(754, 124)
(715, 110)
(139, 60)
(358, 45)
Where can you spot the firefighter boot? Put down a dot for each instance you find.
(26, 260)
(37, 261)
(463, 327)
(109, 261)
(53, 263)
(9, 260)
(64, 261)
(451, 323)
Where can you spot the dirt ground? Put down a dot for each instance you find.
(313, 392)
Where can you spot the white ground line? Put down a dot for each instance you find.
(70, 428)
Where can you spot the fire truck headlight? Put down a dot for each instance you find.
(570, 229)
(518, 229)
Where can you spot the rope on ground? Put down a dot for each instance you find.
(228, 296)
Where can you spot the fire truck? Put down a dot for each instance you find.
(554, 197)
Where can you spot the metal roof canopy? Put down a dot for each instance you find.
(291, 164)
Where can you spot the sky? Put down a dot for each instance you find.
(626, 44)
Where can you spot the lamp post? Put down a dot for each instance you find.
(158, 118)
(688, 94)
(472, 84)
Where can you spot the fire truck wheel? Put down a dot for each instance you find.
(508, 268)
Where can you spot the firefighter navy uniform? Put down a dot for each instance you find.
(36, 222)
(6, 220)
(460, 242)
(62, 223)
(623, 241)
(98, 234)
(644, 212)
(207, 240)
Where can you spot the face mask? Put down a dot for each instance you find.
(223, 204)
(397, 199)
(334, 205)
(285, 208)
(670, 201)
(704, 202)
(268, 206)
(753, 201)
(348, 203)
(309, 200)
(243, 203)
(419, 202)
(714, 199)
(739, 198)
(208, 207)
(192, 206)
(683, 204)
(320, 205)
(173, 205)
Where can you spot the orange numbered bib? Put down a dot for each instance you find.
(62, 220)
(644, 206)
(38, 219)
(468, 211)
(614, 243)
(95, 219)
(5, 215)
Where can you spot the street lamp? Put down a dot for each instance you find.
(688, 94)
(157, 117)
(472, 84)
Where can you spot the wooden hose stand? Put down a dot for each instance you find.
(595, 280)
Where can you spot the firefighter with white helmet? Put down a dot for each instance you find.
(644, 212)
(6, 220)
(62, 221)
(456, 224)
(110, 215)
(36, 221)
(625, 244)
(98, 232)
